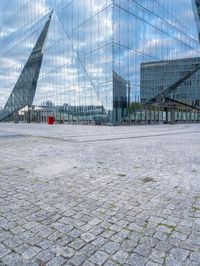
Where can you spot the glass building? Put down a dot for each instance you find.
(196, 9)
(92, 53)
(160, 75)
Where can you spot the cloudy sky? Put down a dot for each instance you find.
(87, 39)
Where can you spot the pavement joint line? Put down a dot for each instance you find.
(111, 139)
(12, 136)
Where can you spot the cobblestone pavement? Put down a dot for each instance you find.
(90, 195)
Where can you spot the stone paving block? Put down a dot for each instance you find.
(151, 263)
(179, 254)
(111, 263)
(194, 239)
(99, 258)
(30, 253)
(44, 256)
(67, 252)
(3, 251)
(63, 228)
(27, 235)
(149, 241)
(12, 259)
(87, 263)
(129, 245)
(4, 235)
(35, 240)
(69, 213)
(157, 256)
(116, 228)
(171, 261)
(179, 235)
(75, 233)
(17, 230)
(191, 263)
(96, 230)
(78, 259)
(107, 233)
(160, 236)
(163, 246)
(143, 250)
(99, 241)
(45, 244)
(13, 242)
(45, 233)
(65, 220)
(110, 247)
(95, 221)
(56, 235)
(57, 261)
(174, 241)
(88, 249)
(77, 244)
(194, 256)
(22, 248)
(29, 263)
(120, 257)
(87, 237)
(57, 249)
(30, 225)
(64, 241)
(136, 259)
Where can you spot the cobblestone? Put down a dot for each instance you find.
(77, 244)
(78, 259)
(99, 258)
(120, 257)
(56, 261)
(30, 253)
(195, 257)
(137, 260)
(44, 256)
(3, 251)
(83, 195)
(87, 237)
(179, 254)
(142, 250)
(110, 247)
(12, 259)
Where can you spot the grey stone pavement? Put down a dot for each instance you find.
(90, 195)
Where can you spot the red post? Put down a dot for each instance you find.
(50, 120)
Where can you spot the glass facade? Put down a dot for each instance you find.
(93, 51)
(196, 8)
(158, 76)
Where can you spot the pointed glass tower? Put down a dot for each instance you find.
(196, 8)
(23, 92)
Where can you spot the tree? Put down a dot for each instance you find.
(134, 106)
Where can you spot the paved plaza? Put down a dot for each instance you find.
(91, 195)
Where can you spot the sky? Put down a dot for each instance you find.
(79, 57)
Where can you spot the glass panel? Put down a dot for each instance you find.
(99, 50)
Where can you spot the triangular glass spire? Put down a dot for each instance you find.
(23, 92)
